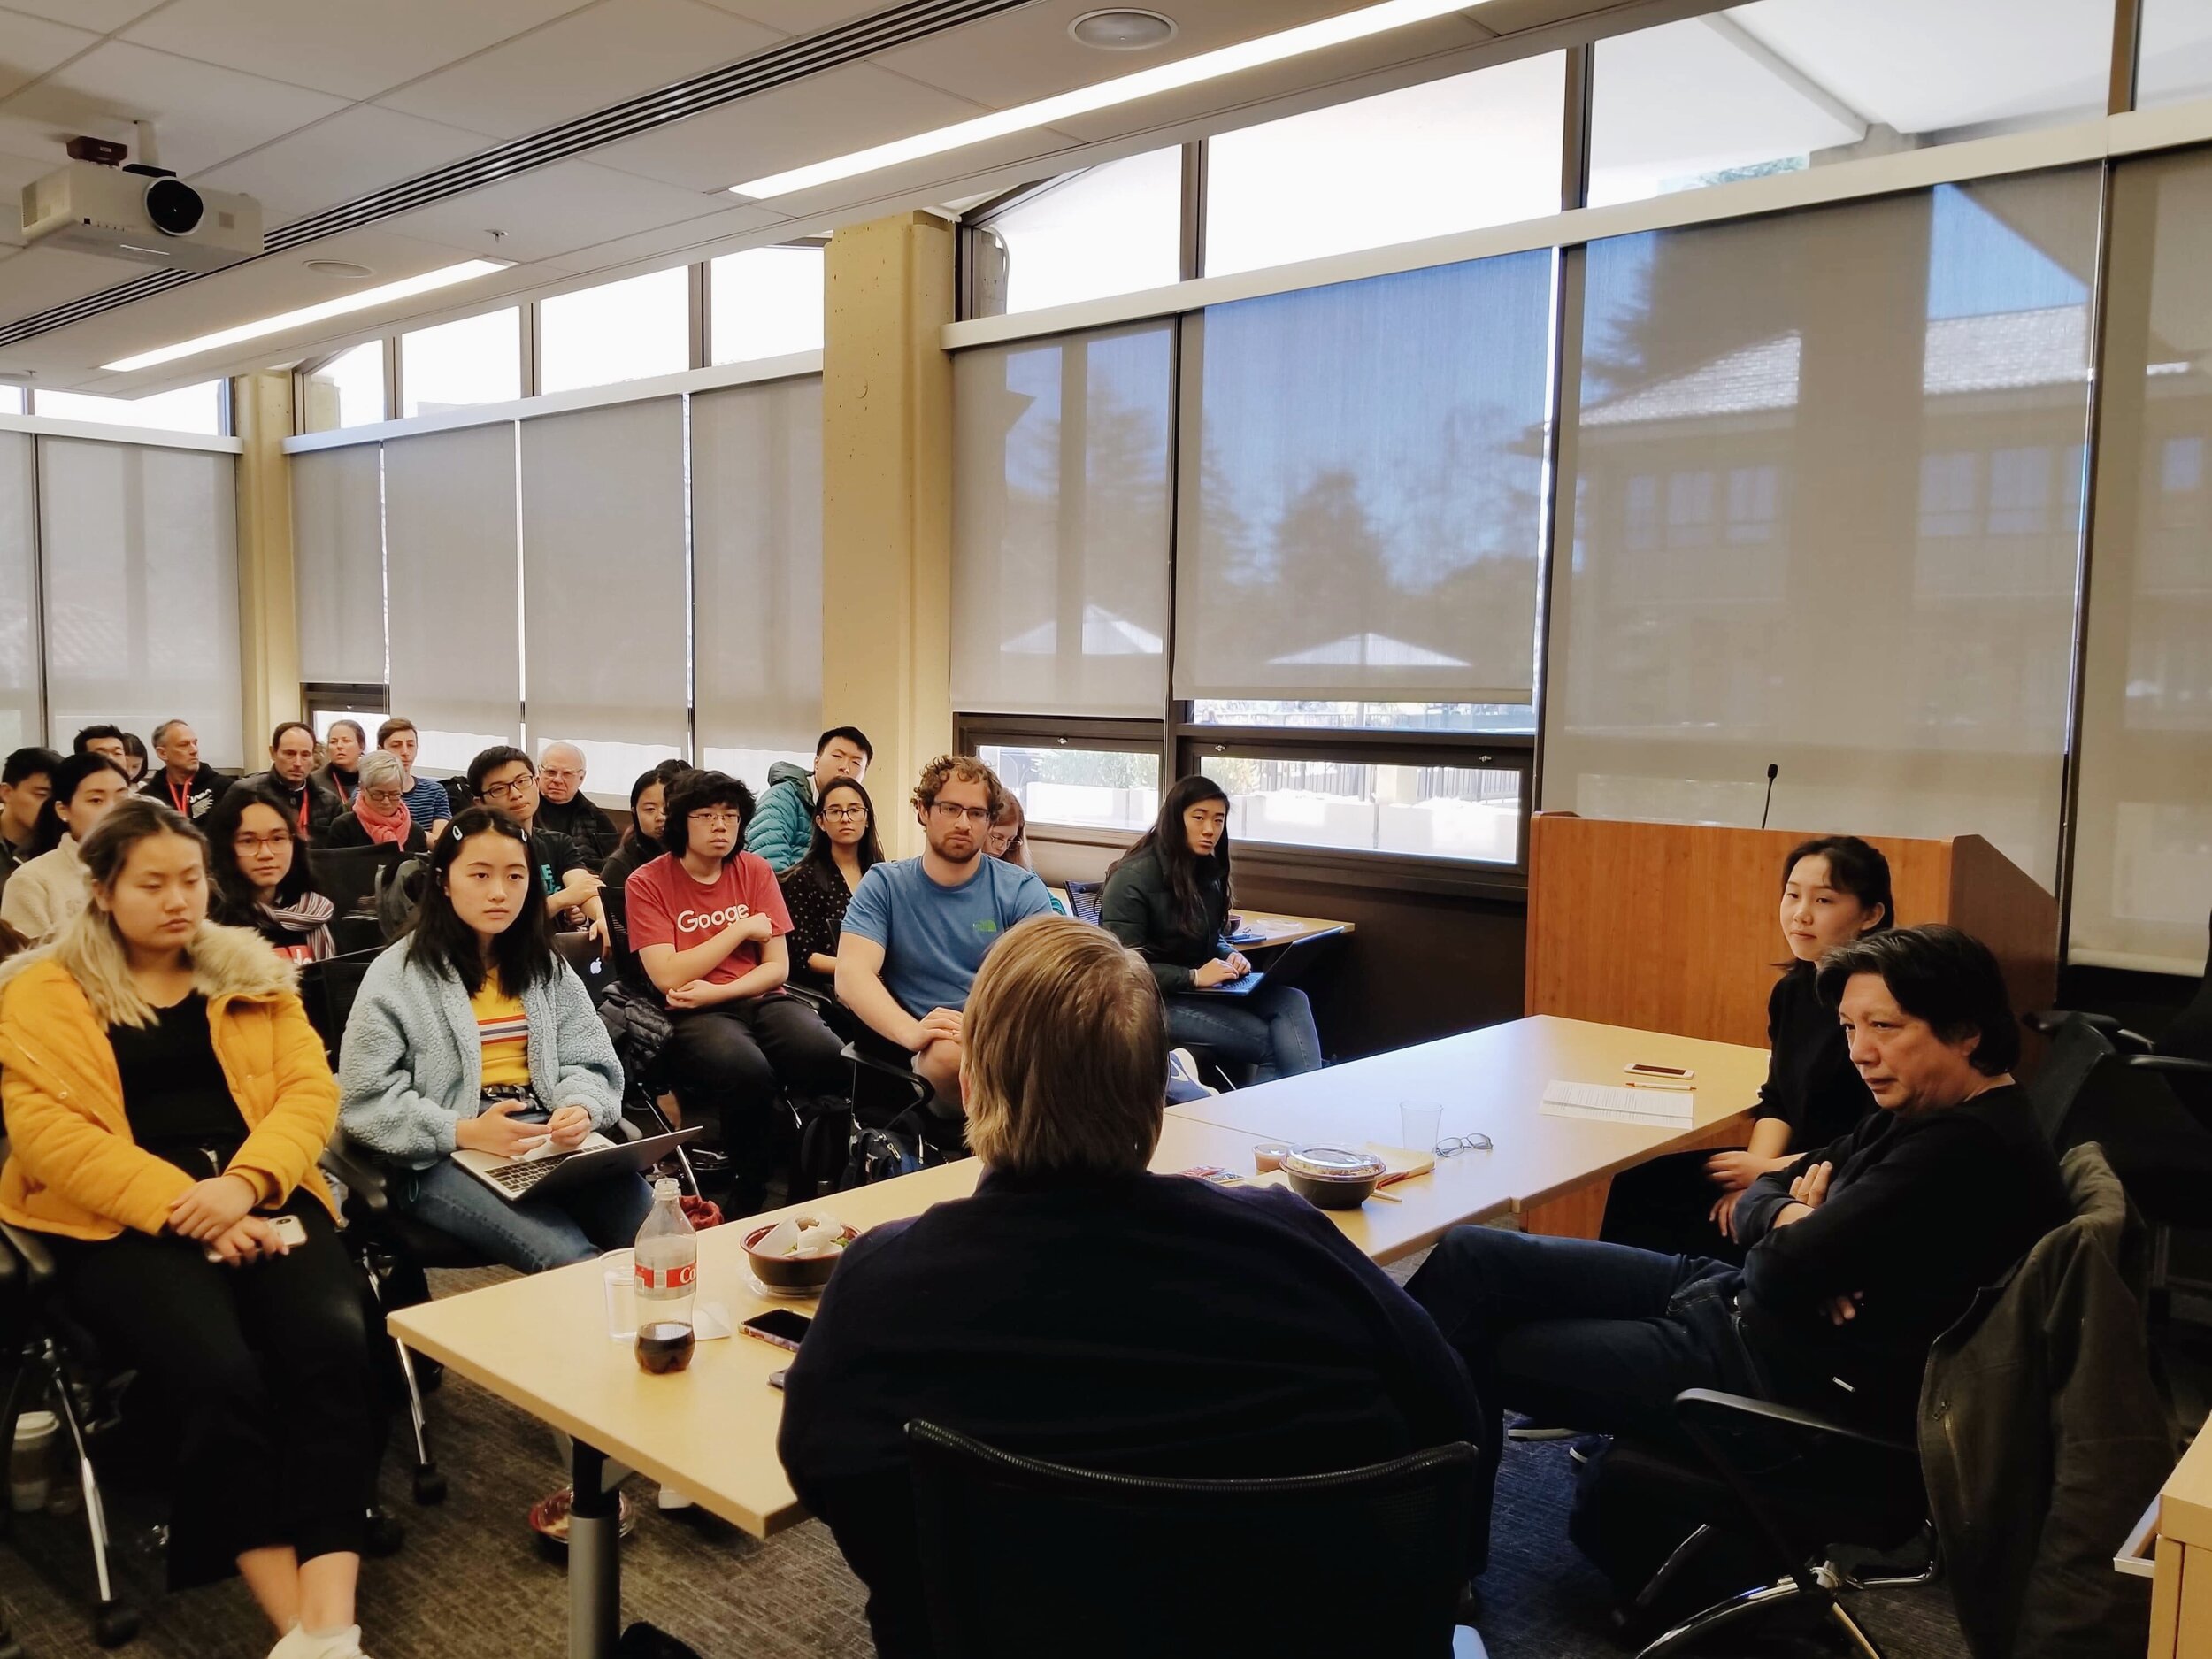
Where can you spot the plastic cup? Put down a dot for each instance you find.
(31, 1461)
(1268, 1155)
(1421, 1122)
(621, 1271)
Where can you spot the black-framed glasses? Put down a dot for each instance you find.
(843, 813)
(514, 791)
(1452, 1146)
(979, 816)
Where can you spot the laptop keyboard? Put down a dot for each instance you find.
(521, 1178)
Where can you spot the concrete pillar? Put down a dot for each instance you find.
(268, 623)
(887, 501)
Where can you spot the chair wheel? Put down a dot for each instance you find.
(113, 1624)
(384, 1535)
(429, 1485)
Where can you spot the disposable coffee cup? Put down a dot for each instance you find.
(31, 1461)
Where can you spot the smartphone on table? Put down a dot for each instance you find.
(782, 1326)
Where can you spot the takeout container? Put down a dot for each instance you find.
(1332, 1178)
(794, 1274)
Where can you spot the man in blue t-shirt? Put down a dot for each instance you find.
(917, 930)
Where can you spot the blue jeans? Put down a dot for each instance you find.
(1272, 1030)
(536, 1234)
(1580, 1335)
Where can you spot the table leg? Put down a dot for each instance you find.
(595, 1557)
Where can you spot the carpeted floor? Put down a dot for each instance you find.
(471, 1579)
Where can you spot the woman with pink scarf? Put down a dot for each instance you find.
(380, 816)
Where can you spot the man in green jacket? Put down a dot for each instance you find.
(783, 824)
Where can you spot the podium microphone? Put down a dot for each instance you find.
(1772, 770)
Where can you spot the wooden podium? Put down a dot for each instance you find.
(1673, 926)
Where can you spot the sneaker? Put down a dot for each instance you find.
(1530, 1429)
(672, 1499)
(1184, 1066)
(1584, 1447)
(339, 1644)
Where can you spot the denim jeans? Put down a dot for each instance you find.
(535, 1233)
(1580, 1335)
(1271, 1030)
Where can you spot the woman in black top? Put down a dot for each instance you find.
(1835, 888)
(262, 879)
(640, 845)
(817, 889)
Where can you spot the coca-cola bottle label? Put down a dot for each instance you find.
(680, 1278)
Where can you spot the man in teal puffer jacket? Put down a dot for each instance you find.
(783, 823)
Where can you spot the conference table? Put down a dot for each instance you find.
(541, 1343)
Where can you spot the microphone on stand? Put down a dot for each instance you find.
(1772, 771)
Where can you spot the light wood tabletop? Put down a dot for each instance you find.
(1491, 1082)
(1286, 930)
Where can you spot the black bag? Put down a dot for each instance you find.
(639, 1029)
(899, 1147)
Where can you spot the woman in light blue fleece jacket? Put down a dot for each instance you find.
(471, 1034)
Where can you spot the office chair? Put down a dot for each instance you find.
(1084, 898)
(352, 876)
(1021, 1556)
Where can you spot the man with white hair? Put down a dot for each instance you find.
(564, 807)
(183, 780)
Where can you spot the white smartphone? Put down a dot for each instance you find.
(290, 1231)
(1639, 1068)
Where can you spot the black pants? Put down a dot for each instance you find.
(1666, 1204)
(1580, 1335)
(734, 1058)
(264, 1371)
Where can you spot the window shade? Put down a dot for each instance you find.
(21, 720)
(604, 625)
(2143, 852)
(139, 563)
(756, 574)
(1061, 524)
(338, 563)
(1362, 499)
(450, 571)
(1825, 512)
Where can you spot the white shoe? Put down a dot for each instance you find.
(672, 1499)
(1184, 1066)
(297, 1644)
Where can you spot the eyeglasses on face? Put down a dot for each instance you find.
(843, 813)
(385, 797)
(514, 791)
(979, 816)
(713, 818)
(249, 843)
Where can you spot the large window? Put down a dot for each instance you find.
(1824, 487)
(22, 717)
(347, 390)
(1787, 84)
(476, 360)
(618, 331)
(1111, 229)
(338, 563)
(203, 409)
(2174, 63)
(1476, 149)
(1083, 783)
(1349, 803)
(763, 302)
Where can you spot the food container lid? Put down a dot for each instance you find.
(1334, 1164)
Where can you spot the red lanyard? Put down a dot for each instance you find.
(344, 798)
(305, 795)
(181, 797)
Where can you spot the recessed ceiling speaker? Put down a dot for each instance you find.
(1122, 29)
(339, 268)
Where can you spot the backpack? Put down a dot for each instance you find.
(397, 893)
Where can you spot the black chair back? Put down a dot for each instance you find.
(326, 991)
(580, 951)
(1084, 898)
(1023, 1557)
(349, 877)
(2077, 1049)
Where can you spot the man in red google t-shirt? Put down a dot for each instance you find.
(707, 922)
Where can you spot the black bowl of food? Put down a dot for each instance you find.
(1330, 1178)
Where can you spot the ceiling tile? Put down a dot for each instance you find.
(355, 151)
(554, 210)
(826, 115)
(354, 50)
(38, 277)
(797, 16)
(695, 238)
(29, 47)
(611, 51)
(102, 16)
(202, 114)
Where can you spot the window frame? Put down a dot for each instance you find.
(972, 732)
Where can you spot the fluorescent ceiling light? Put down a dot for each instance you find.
(1226, 60)
(359, 299)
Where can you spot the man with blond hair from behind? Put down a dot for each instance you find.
(917, 929)
(1081, 1309)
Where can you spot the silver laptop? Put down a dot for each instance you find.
(548, 1172)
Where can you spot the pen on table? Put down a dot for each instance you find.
(1669, 1088)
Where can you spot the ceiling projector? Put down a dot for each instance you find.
(141, 214)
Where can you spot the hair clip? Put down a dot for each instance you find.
(455, 832)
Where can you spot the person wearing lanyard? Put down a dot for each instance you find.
(184, 781)
(166, 1100)
(262, 880)
(312, 805)
(341, 772)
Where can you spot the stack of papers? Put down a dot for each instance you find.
(1653, 1109)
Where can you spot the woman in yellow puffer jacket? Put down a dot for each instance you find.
(166, 1100)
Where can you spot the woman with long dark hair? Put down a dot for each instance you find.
(473, 1034)
(817, 889)
(50, 886)
(1167, 898)
(640, 845)
(166, 1100)
(1835, 889)
(262, 878)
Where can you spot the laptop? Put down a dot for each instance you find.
(548, 1173)
(1292, 961)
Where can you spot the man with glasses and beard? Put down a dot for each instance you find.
(917, 928)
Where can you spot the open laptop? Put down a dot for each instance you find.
(548, 1172)
(1289, 964)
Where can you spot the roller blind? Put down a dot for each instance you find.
(756, 550)
(450, 571)
(139, 563)
(338, 563)
(1061, 524)
(1822, 495)
(1361, 488)
(21, 720)
(604, 625)
(2143, 852)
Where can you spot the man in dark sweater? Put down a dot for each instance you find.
(1860, 1253)
(291, 761)
(183, 780)
(1081, 1309)
(565, 809)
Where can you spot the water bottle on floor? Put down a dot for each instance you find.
(667, 1261)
